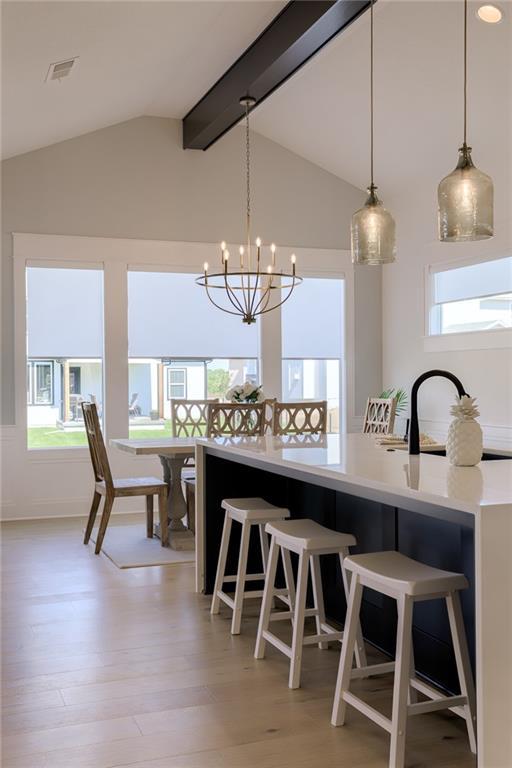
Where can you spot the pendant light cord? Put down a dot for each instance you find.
(465, 69)
(371, 93)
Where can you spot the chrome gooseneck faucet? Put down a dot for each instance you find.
(414, 432)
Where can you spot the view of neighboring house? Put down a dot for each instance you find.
(65, 354)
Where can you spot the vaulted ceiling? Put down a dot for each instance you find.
(158, 58)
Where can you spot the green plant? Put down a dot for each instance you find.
(401, 398)
(218, 382)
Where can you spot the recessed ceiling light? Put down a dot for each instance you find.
(489, 13)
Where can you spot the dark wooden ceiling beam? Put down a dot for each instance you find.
(296, 34)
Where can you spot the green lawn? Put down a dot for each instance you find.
(53, 437)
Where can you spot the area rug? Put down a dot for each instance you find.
(128, 547)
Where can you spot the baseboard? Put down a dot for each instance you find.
(63, 517)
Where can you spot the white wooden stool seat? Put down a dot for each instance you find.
(255, 509)
(299, 535)
(247, 512)
(309, 540)
(408, 581)
(399, 574)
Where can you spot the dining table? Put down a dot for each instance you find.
(173, 453)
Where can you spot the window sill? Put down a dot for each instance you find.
(472, 340)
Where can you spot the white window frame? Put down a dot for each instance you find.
(32, 366)
(433, 340)
(170, 371)
(115, 257)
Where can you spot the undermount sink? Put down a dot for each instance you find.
(485, 456)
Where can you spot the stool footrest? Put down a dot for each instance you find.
(323, 637)
(373, 669)
(447, 702)
(435, 695)
(283, 615)
(370, 712)
(279, 644)
(248, 577)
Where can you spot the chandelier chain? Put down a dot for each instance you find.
(248, 164)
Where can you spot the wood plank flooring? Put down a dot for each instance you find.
(104, 668)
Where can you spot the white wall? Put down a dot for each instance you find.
(485, 373)
(133, 180)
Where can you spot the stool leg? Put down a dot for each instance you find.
(347, 650)
(318, 595)
(268, 594)
(401, 685)
(298, 621)
(221, 565)
(360, 649)
(412, 695)
(240, 579)
(290, 582)
(264, 546)
(460, 646)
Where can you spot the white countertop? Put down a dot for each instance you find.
(358, 461)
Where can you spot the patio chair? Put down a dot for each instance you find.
(111, 489)
(300, 418)
(134, 408)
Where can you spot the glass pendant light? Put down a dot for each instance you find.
(465, 196)
(372, 229)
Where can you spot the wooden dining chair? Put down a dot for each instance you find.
(236, 419)
(379, 417)
(269, 414)
(189, 418)
(111, 489)
(301, 418)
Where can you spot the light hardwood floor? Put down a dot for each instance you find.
(104, 668)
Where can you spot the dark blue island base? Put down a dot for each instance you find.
(423, 533)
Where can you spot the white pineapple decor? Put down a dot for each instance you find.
(464, 443)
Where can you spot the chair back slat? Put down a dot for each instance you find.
(189, 418)
(236, 419)
(301, 418)
(379, 417)
(268, 406)
(97, 450)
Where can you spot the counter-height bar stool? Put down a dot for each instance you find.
(407, 581)
(309, 540)
(248, 512)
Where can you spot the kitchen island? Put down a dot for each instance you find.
(458, 519)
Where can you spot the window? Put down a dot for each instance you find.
(312, 345)
(64, 353)
(180, 346)
(40, 382)
(176, 383)
(472, 298)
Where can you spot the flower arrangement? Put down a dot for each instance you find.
(246, 393)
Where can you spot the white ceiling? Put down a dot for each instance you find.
(322, 113)
(158, 58)
(136, 58)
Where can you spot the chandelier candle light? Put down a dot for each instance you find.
(465, 196)
(373, 227)
(251, 289)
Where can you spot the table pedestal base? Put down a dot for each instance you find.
(180, 538)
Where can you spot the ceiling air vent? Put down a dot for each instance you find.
(61, 69)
